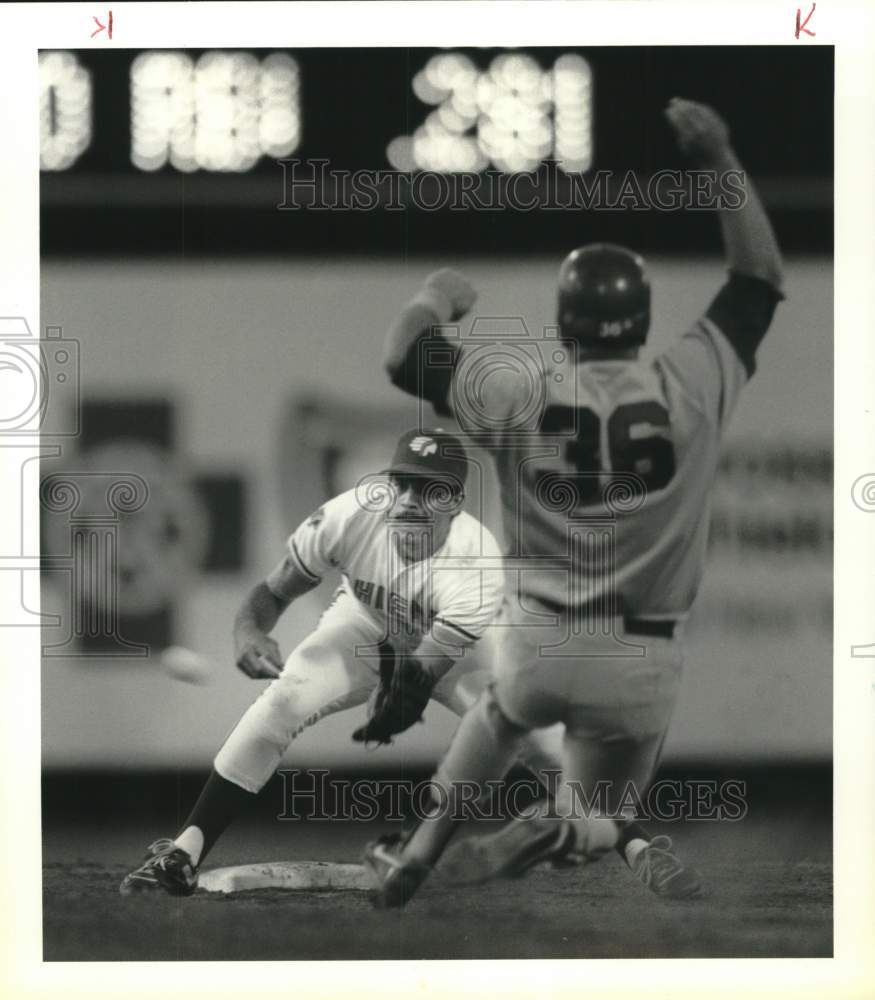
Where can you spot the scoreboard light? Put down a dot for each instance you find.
(221, 113)
(65, 110)
(512, 116)
(572, 115)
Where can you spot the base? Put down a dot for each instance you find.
(297, 876)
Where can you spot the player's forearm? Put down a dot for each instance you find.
(445, 297)
(435, 657)
(749, 240)
(751, 248)
(260, 611)
(401, 353)
(404, 357)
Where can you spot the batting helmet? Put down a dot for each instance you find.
(604, 298)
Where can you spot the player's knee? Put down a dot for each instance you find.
(237, 771)
(280, 713)
(496, 718)
(256, 745)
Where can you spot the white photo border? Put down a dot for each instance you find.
(850, 27)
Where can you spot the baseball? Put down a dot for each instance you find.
(185, 665)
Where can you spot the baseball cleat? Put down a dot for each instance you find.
(664, 874)
(510, 852)
(166, 867)
(395, 880)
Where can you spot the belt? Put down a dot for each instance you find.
(648, 626)
(631, 625)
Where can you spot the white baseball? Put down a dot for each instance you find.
(185, 665)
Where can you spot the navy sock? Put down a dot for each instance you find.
(219, 803)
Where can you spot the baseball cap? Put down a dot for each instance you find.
(433, 453)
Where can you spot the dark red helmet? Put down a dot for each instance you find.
(604, 298)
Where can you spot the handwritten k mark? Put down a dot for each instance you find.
(801, 27)
(102, 27)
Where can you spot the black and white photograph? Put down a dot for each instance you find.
(431, 450)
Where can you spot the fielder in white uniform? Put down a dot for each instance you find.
(420, 577)
(606, 465)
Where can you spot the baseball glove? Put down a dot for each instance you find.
(400, 698)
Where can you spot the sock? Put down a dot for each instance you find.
(191, 840)
(631, 842)
(219, 803)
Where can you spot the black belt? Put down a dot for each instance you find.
(648, 626)
(631, 625)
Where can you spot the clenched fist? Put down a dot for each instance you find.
(700, 131)
(448, 293)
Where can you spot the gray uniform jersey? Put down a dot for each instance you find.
(606, 468)
(605, 496)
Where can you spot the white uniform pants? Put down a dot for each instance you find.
(336, 668)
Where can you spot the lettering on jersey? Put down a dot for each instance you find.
(639, 443)
(403, 614)
(397, 611)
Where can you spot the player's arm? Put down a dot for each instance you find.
(434, 659)
(744, 307)
(445, 297)
(446, 642)
(256, 653)
(751, 247)
(473, 599)
(404, 692)
(406, 685)
(311, 551)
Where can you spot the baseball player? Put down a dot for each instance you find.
(403, 627)
(613, 481)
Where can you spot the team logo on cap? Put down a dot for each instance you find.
(424, 446)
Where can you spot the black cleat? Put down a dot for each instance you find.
(395, 880)
(166, 867)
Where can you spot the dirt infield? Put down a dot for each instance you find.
(769, 894)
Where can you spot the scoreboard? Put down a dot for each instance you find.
(223, 111)
(443, 110)
(136, 145)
